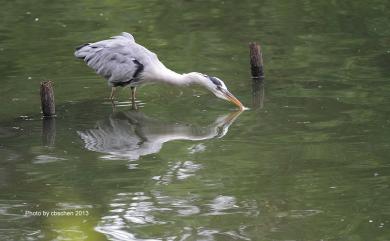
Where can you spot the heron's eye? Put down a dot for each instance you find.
(219, 88)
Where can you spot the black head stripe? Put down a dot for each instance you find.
(215, 81)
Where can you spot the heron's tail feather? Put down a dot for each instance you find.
(82, 51)
(82, 46)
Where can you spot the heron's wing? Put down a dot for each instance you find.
(118, 59)
(87, 49)
(115, 64)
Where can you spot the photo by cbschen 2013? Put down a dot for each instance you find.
(195, 120)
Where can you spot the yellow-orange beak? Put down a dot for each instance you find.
(234, 100)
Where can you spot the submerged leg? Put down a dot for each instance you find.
(112, 95)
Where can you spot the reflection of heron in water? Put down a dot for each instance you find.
(130, 135)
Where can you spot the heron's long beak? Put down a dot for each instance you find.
(234, 100)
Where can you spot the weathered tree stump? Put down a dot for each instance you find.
(256, 61)
(47, 99)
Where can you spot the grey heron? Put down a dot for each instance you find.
(124, 62)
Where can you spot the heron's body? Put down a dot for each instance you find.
(124, 62)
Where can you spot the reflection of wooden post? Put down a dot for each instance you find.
(47, 99)
(257, 71)
(48, 131)
(256, 59)
(258, 91)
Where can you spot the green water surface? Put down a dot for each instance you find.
(308, 161)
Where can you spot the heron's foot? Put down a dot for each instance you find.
(113, 105)
(134, 105)
(110, 99)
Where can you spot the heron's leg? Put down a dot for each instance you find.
(133, 104)
(133, 93)
(112, 95)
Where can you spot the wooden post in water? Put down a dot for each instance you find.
(47, 99)
(257, 71)
(256, 60)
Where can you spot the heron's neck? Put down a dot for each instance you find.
(171, 77)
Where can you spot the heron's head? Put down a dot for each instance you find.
(216, 86)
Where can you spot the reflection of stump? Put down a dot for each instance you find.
(258, 92)
(48, 131)
(47, 99)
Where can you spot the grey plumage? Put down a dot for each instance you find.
(124, 62)
(119, 59)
